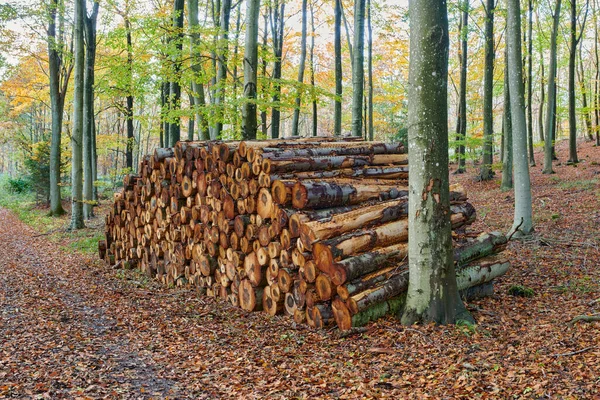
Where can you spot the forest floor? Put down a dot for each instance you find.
(73, 327)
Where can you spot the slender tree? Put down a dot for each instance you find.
(77, 132)
(198, 95)
(337, 44)
(301, 68)
(370, 70)
(530, 83)
(175, 85)
(523, 221)
(249, 120)
(461, 122)
(277, 24)
(129, 91)
(88, 111)
(222, 47)
(358, 74)
(584, 95)
(597, 80)
(59, 72)
(486, 172)
(507, 148)
(432, 292)
(312, 71)
(551, 108)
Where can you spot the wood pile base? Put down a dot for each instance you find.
(315, 228)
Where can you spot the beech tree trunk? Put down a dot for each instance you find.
(88, 112)
(358, 74)
(461, 123)
(197, 85)
(249, 119)
(551, 108)
(277, 25)
(432, 293)
(301, 68)
(507, 140)
(370, 72)
(56, 68)
(523, 221)
(175, 87)
(530, 84)
(337, 44)
(221, 78)
(486, 172)
(77, 131)
(129, 97)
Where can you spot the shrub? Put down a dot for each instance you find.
(18, 185)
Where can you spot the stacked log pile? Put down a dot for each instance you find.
(315, 228)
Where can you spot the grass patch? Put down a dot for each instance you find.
(25, 207)
(521, 291)
(582, 184)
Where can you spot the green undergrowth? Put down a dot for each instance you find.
(24, 205)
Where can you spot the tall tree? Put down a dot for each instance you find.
(77, 131)
(277, 12)
(461, 122)
(222, 46)
(59, 72)
(370, 70)
(523, 221)
(486, 172)
(337, 44)
(129, 91)
(584, 95)
(249, 120)
(312, 70)
(89, 139)
(572, 59)
(542, 90)
(507, 143)
(301, 68)
(432, 292)
(197, 85)
(358, 74)
(551, 108)
(530, 83)
(175, 85)
(597, 80)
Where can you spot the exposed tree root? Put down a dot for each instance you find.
(572, 353)
(585, 318)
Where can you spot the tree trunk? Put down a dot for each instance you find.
(57, 102)
(530, 84)
(358, 75)
(249, 119)
(175, 87)
(461, 133)
(572, 112)
(77, 132)
(301, 68)
(221, 78)
(88, 112)
(312, 72)
(197, 85)
(584, 97)
(597, 80)
(550, 117)
(129, 98)
(277, 26)
(542, 99)
(370, 71)
(432, 292)
(523, 210)
(486, 172)
(507, 159)
(337, 44)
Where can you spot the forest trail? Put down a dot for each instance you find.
(72, 327)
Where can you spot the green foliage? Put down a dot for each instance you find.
(17, 185)
(37, 166)
(521, 291)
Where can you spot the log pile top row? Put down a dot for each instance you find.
(315, 228)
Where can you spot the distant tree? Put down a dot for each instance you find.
(277, 17)
(175, 84)
(432, 291)
(507, 141)
(551, 109)
(358, 74)
(461, 121)
(370, 71)
(198, 94)
(301, 68)
(337, 44)
(486, 173)
(249, 120)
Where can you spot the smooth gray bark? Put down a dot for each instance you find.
(88, 112)
(358, 74)
(57, 71)
(249, 119)
(572, 59)
(312, 72)
(486, 172)
(221, 80)
(197, 85)
(432, 292)
(370, 71)
(550, 117)
(530, 83)
(277, 25)
(129, 97)
(461, 122)
(507, 144)
(301, 68)
(523, 221)
(77, 131)
(337, 44)
(175, 86)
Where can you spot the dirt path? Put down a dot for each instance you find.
(71, 327)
